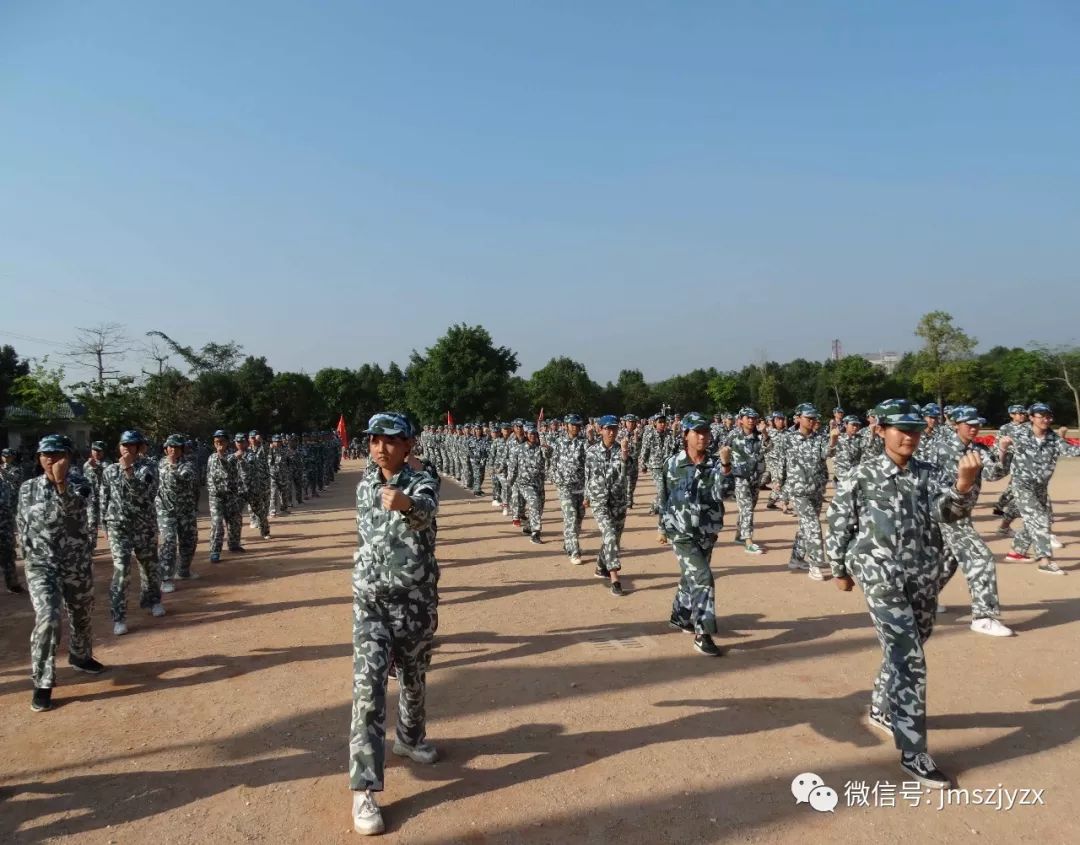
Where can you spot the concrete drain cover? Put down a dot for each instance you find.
(601, 643)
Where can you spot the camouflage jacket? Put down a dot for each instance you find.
(950, 449)
(177, 487)
(805, 471)
(848, 453)
(656, 448)
(634, 450)
(568, 464)
(1013, 430)
(222, 478)
(605, 475)
(692, 500)
(51, 525)
(11, 475)
(882, 514)
(526, 467)
(127, 503)
(870, 444)
(8, 502)
(747, 456)
(1034, 459)
(395, 554)
(254, 476)
(929, 443)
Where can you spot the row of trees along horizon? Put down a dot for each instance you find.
(195, 391)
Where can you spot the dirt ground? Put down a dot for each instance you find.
(563, 714)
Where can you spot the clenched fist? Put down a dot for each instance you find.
(967, 471)
(394, 500)
(725, 455)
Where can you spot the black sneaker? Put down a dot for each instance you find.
(616, 589)
(600, 572)
(881, 720)
(88, 665)
(673, 622)
(535, 538)
(42, 700)
(238, 549)
(922, 767)
(704, 643)
(998, 512)
(525, 530)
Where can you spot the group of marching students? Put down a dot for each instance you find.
(147, 508)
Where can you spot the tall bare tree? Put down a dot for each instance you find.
(96, 349)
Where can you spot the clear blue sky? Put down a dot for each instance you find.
(660, 185)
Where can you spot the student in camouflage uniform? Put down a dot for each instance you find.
(395, 609)
(568, 469)
(1017, 425)
(10, 471)
(747, 466)
(806, 475)
(52, 533)
(280, 480)
(605, 491)
(478, 459)
(657, 445)
(883, 535)
(691, 515)
(223, 487)
(176, 515)
(963, 544)
(8, 504)
(931, 436)
(296, 470)
(515, 503)
(1035, 456)
(870, 443)
(494, 459)
(129, 487)
(93, 471)
(526, 473)
(848, 448)
(631, 433)
(774, 459)
(255, 484)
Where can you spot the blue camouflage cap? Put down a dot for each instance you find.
(1040, 408)
(748, 412)
(838, 410)
(851, 418)
(253, 433)
(174, 440)
(530, 428)
(276, 438)
(629, 418)
(389, 425)
(221, 434)
(240, 437)
(98, 445)
(1017, 409)
(55, 443)
(574, 419)
(727, 415)
(899, 413)
(967, 414)
(608, 421)
(778, 415)
(810, 411)
(132, 435)
(7, 453)
(693, 421)
(931, 409)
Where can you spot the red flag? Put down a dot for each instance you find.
(342, 436)
(449, 418)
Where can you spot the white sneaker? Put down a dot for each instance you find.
(942, 608)
(495, 503)
(158, 610)
(119, 629)
(366, 816)
(576, 560)
(816, 574)
(168, 587)
(990, 627)
(506, 511)
(1055, 543)
(423, 753)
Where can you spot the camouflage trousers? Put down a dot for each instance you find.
(776, 476)
(611, 519)
(572, 505)
(808, 542)
(403, 627)
(1006, 502)
(964, 547)
(7, 560)
(178, 534)
(534, 498)
(496, 486)
(477, 468)
(631, 483)
(517, 502)
(1034, 506)
(225, 518)
(504, 488)
(902, 602)
(298, 485)
(279, 495)
(657, 474)
(695, 597)
(259, 502)
(67, 582)
(143, 546)
(466, 476)
(94, 518)
(311, 486)
(746, 496)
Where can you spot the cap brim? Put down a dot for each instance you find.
(907, 426)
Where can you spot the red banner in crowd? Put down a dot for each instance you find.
(988, 440)
(342, 436)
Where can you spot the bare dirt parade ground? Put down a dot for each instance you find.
(563, 714)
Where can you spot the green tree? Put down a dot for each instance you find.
(463, 372)
(392, 390)
(856, 383)
(1064, 362)
(727, 392)
(767, 394)
(560, 386)
(630, 394)
(40, 390)
(943, 365)
(10, 369)
(297, 404)
(114, 406)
